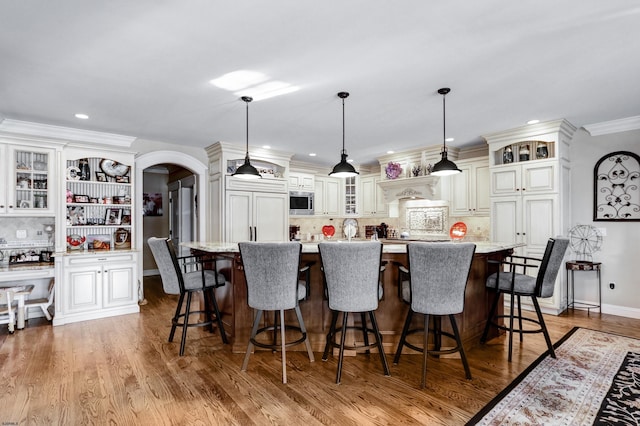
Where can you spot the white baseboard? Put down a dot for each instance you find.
(621, 311)
(150, 272)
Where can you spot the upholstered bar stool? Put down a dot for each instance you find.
(352, 273)
(272, 271)
(516, 284)
(438, 274)
(185, 276)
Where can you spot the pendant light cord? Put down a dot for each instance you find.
(444, 123)
(247, 106)
(343, 150)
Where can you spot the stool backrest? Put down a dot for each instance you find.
(271, 271)
(352, 273)
(167, 262)
(438, 276)
(550, 266)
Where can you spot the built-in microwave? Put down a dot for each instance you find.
(300, 203)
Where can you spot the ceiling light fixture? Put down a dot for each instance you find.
(82, 116)
(247, 171)
(343, 168)
(444, 167)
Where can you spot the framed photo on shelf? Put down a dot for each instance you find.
(77, 198)
(98, 242)
(126, 217)
(113, 217)
(122, 179)
(101, 177)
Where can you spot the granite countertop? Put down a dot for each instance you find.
(390, 246)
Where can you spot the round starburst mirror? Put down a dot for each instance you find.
(584, 241)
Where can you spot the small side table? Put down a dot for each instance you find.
(573, 266)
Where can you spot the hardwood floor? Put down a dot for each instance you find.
(123, 371)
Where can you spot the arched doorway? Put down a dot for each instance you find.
(150, 159)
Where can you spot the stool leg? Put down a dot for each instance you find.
(284, 347)
(425, 352)
(304, 331)
(185, 324)
(511, 326)
(343, 336)
(216, 310)
(365, 334)
(403, 337)
(383, 356)
(176, 317)
(543, 326)
(463, 356)
(492, 313)
(331, 335)
(254, 331)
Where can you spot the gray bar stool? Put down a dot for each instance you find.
(271, 271)
(438, 274)
(352, 272)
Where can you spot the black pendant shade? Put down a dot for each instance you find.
(343, 168)
(444, 167)
(247, 171)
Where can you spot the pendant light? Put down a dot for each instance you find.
(343, 169)
(247, 171)
(444, 167)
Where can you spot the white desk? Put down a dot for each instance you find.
(11, 276)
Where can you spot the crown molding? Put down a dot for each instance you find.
(65, 133)
(613, 126)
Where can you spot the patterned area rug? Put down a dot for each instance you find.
(595, 379)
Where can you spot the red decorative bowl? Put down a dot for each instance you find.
(328, 231)
(458, 231)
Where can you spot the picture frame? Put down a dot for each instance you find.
(122, 239)
(79, 198)
(616, 194)
(122, 179)
(113, 216)
(126, 217)
(101, 177)
(99, 242)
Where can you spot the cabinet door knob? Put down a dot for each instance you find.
(524, 189)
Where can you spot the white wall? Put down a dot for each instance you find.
(620, 254)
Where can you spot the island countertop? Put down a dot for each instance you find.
(391, 312)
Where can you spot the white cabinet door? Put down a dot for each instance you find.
(271, 217)
(531, 178)
(239, 216)
(470, 190)
(301, 182)
(505, 180)
(119, 285)
(506, 219)
(327, 197)
(83, 285)
(372, 197)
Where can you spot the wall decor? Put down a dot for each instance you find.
(616, 181)
(152, 204)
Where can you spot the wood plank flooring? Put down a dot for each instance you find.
(122, 371)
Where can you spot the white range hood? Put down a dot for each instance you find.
(421, 187)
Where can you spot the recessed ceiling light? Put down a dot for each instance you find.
(390, 152)
(238, 80)
(449, 139)
(533, 121)
(266, 146)
(312, 154)
(82, 116)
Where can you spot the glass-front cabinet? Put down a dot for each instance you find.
(30, 181)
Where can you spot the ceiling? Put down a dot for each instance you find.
(142, 68)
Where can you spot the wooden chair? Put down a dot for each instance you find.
(7, 309)
(44, 302)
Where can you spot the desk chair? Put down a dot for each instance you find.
(437, 275)
(352, 274)
(271, 271)
(185, 276)
(44, 302)
(7, 309)
(519, 284)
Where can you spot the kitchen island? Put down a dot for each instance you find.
(238, 317)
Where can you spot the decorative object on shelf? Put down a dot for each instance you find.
(85, 171)
(247, 171)
(113, 168)
(444, 167)
(152, 204)
(507, 155)
(328, 231)
(584, 241)
(616, 188)
(122, 179)
(458, 231)
(24, 204)
(77, 198)
(73, 173)
(416, 170)
(75, 216)
(75, 242)
(524, 153)
(541, 150)
(122, 239)
(350, 228)
(101, 177)
(393, 170)
(343, 168)
(99, 242)
(40, 166)
(69, 196)
(113, 216)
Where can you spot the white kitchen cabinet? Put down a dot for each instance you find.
(530, 198)
(328, 196)
(469, 190)
(28, 180)
(372, 197)
(256, 216)
(301, 182)
(96, 285)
